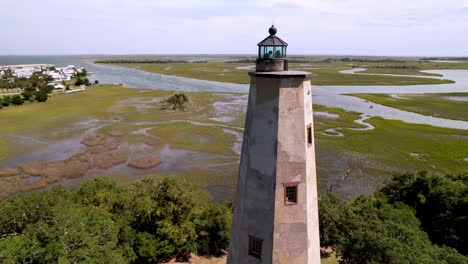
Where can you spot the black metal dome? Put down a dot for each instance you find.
(273, 40)
(272, 30)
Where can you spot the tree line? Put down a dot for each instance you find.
(413, 218)
(36, 81)
(103, 222)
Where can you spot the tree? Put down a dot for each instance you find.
(370, 230)
(105, 222)
(176, 102)
(105, 194)
(214, 229)
(47, 78)
(74, 234)
(330, 213)
(6, 100)
(79, 81)
(96, 82)
(17, 99)
(30, 89)
(41, 96)
(47, 88)
(441, 204)
(86, 82)
(165, 209)
(27, 95)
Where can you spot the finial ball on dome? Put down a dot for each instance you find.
(273, 30)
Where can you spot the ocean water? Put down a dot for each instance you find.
(37, 59)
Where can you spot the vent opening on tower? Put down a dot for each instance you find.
(255, 247)
(309, 135)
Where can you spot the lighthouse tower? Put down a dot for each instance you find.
(276, 210)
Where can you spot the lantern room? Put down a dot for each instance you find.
(272, 47)
(272, 53)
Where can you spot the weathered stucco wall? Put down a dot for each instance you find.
(274, 152)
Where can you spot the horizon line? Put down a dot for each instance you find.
(230, 54)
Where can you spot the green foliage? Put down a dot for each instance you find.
(330, 212)
(6, 100)
(41, 96)
(167, 210)
(47, 88)
(27, 95)
(213, 229)
(17, 99)
(79, 81)
(441, 203)
(387, 227)
(96, 82)
(176, 102)
(103, 222)
(84, 73)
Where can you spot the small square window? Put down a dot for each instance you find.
(290, 193)
(309, 135)
(255, 247)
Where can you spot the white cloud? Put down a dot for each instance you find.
(393, 27)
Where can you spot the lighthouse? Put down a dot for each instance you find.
(276, 209)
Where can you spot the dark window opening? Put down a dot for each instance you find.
(291, 194)
(309, 135)
(255, 247)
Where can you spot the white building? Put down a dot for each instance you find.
(58, 74)
(25, 72)
(56, 86)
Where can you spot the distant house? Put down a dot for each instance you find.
(56, 75)
(56, 86)
(68, 71)
(23, 72)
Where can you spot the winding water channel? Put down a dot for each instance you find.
(331, 96)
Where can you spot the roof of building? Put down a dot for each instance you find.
(272, 40)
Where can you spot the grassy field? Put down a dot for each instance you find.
(324, 73)
(450, 106)
(413, 67)
(353, 163)
(406, 146)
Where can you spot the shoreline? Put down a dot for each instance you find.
(26, 66)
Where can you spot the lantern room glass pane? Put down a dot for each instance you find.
(267, 52)
(279, 52)
(272, 52)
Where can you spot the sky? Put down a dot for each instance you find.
(317, 27)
